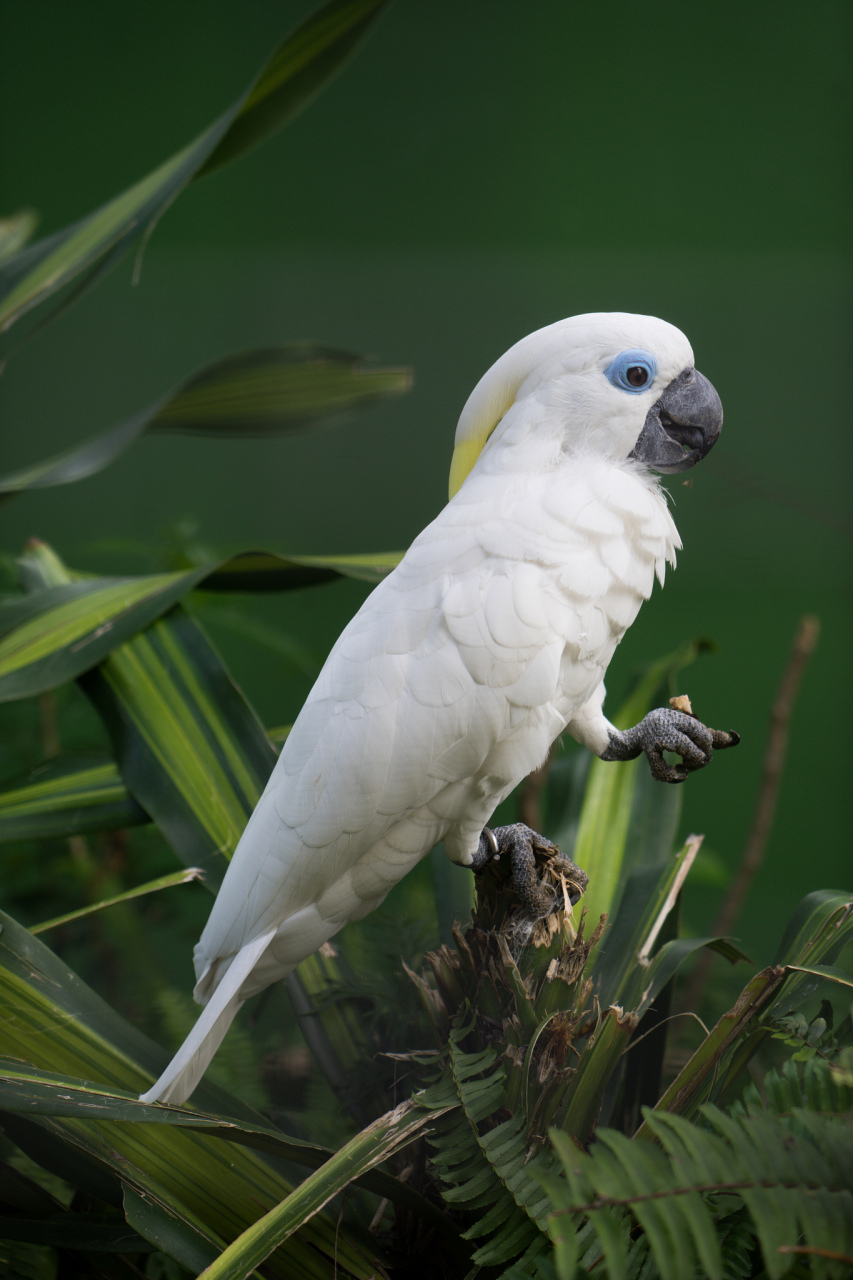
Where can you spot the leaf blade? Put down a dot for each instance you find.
(303, 64)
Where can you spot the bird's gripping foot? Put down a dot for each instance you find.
(668, 729)
(523, 846)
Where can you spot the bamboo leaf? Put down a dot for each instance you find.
(301, 66)
(64, 627)
(253, 393)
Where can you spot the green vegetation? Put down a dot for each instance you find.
(449, 1097)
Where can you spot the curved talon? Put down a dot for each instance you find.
(487, 850)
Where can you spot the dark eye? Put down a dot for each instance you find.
(632, 371)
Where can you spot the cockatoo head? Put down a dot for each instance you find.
(620, 385)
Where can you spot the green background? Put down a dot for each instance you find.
(478, 170)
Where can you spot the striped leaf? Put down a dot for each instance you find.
(190, 748)
(602, 839)
(253, 393)
(301, 66)
(75, 795)
(387, 1135)
(66, 626)
(67, 797)
(215, 1188)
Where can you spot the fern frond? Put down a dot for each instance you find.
(483, 1162)
(794, 1183)
(816, 1085)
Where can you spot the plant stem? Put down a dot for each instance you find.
(765, 809)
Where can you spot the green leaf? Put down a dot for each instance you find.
(253, 393)
(169, 1231)
(90, 1232)
(686, 1091)
(817, 932)
(301, 66)
(34, 1091)
(65, 797)
(648, 896)
(190, 748)
(72, 795)
(66, 626)
(16, 231)
(602, 841)
(388, 1134)
(598, 1062)
(140, 891)
(54, 1021)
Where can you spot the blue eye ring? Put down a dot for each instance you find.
(627, 370)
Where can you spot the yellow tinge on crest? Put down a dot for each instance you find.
(483, 410)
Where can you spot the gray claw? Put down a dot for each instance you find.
(669, 730)
(523, 844)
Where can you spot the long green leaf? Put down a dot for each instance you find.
(66, 797)
(597, 1064)
(64, 627)
(139, 891)
(89, 1232)
(74, 795)
(54, 1021)
(817, 933)
(648, 895)
(190, 748)
(685, 1093)
(602, 840)
(301, 66)
(169, 1231)
(253, 393)
(380, 1140)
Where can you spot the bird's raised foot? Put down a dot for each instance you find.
(523, 846)
(667, 729)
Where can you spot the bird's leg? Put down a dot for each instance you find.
(667, 729)
(522, 844)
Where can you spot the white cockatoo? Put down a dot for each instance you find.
(489, 640)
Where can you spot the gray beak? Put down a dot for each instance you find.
(682, 426)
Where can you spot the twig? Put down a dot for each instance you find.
(765, 809)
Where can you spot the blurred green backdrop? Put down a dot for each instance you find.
(477, 171)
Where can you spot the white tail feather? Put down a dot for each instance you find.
(190, 1062)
